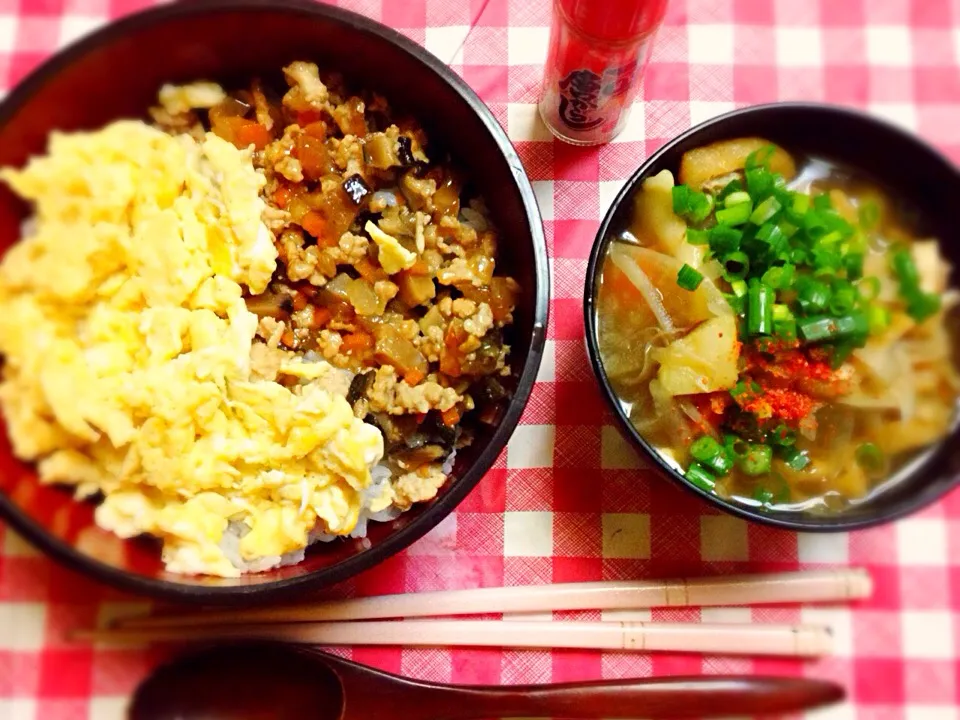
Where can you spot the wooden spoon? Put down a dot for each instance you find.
(253, 680)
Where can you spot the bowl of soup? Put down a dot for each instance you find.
(770, 309)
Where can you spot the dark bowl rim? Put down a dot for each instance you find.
(170, 589)
(598, 251)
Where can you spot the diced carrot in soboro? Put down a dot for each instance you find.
(450, 417)
(315, 224)
(368, 271)
(306, 117)
(414, 376)
(419, 267)
(317, 130)
(356, 342)
(282, 195)
(252, 133)
(321, 316)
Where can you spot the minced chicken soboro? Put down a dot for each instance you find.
(387, 264)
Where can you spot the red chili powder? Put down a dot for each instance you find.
(786, 404)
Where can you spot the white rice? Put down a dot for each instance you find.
(379, 476)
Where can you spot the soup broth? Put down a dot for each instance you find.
(774, 327)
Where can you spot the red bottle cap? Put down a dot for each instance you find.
(614, 20)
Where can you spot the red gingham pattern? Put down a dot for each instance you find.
(569, 500)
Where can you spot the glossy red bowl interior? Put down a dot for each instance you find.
(116, 73)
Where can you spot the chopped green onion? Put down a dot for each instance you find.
(731, 187)
(905, 269)
(922, 305)
(711, 454)
(842, 349)
(772, 235)
(765, 210)
(796, 459)
(760, 301)
(689, 278)
(785, 329)
(736, 265)
(822, 201)
(743, 388)
(736, 215)
(698, 237)
(759, 182)
(760, 157)
(757, 459)
(799, 256)
(781, 312)
(817, 328)
(822, 329)
(844, 299)
(826, 261)
(763, 496)
(735, 445)
(691, 204)
(870, 457)
(878, 318)
(787, 228)
(698, 475)
(724, 239)
(853, 262)
(869, 213)
(831, 238)
(705, 448)
(782, 435)
(736, 198)
(779, 277)
(681, 199)
(869, 288)
(737, 303)
(813, 296)
(739, 288)
(702, 207)
(800, 205)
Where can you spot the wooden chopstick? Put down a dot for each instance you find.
(794, 587)
(710, 638)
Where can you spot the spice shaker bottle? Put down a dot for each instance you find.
(598, 51)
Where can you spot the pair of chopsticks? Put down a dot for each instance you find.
(335, 623)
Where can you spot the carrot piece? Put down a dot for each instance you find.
(369, 272)
(356, 342)
(288, 338)
(420, 417)
(321, 316)
(282, 195)
(307, 117)
(419, 268)
(249, 132)
(450, 417)
(315, 224)
(414, 376)
(317, 130)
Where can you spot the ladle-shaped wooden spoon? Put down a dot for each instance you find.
(254, 680)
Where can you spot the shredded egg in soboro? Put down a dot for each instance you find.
(127, 348)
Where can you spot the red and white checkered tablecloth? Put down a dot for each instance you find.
(569, 500)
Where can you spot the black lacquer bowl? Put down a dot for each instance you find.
(116, 73)
(925, 182)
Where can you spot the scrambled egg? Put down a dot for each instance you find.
(393, 256)
(127, 349)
